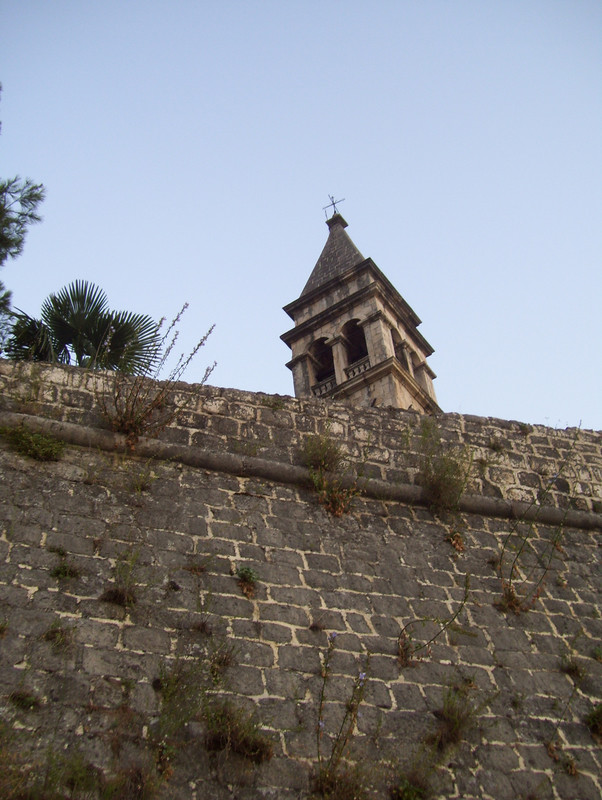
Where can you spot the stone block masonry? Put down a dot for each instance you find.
(224, 487)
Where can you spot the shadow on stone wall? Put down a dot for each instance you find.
(188, 620)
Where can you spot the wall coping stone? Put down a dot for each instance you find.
(253, 466)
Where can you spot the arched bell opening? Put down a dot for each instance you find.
(322, 365)
(354, 340)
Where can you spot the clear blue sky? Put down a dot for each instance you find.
(188, 147)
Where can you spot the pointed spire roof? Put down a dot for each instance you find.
(338, 256)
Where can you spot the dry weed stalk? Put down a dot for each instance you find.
(144, 404)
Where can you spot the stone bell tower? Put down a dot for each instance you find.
(355, 337)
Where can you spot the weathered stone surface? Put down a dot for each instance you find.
(365, 576)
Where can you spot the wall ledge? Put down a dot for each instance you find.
(280, 472)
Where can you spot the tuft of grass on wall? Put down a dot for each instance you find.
(59, 636)
(444, 471)
(40, 446)
(247, 580)
(123, 591)
(456, 717)
(325, 461)
(64, 571)
(340, 784)
(232, 729)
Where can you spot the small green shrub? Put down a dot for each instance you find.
(341, 784)
(141, 479)
(320, 452)
(220, 659)
(325, 461)
(444, 472)
(59, 636)
(123, 591)
(247, 580)
(443, 481)
(3, 628)
(64, 571)
(234, 730)
(247, 575)
(79, 776)
(275, 402)
(182, 686)
(455, 718)
(40, 446)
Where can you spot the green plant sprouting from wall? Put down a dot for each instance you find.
(326, 463)
(140, 476)
(247, 580)
(60, 636)
(123, 590)
(456, 717)
(234, 730)
(188, 690)
(526, 557)
(182, 685)
(444, 470)
(39, 446)
(553, 745)
(525, 560)
(63, 571)
(54, 775)
(24, 700)
(407, 649)
(331, 780)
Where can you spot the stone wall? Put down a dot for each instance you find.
(92, 677)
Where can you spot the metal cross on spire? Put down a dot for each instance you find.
(333, 205)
